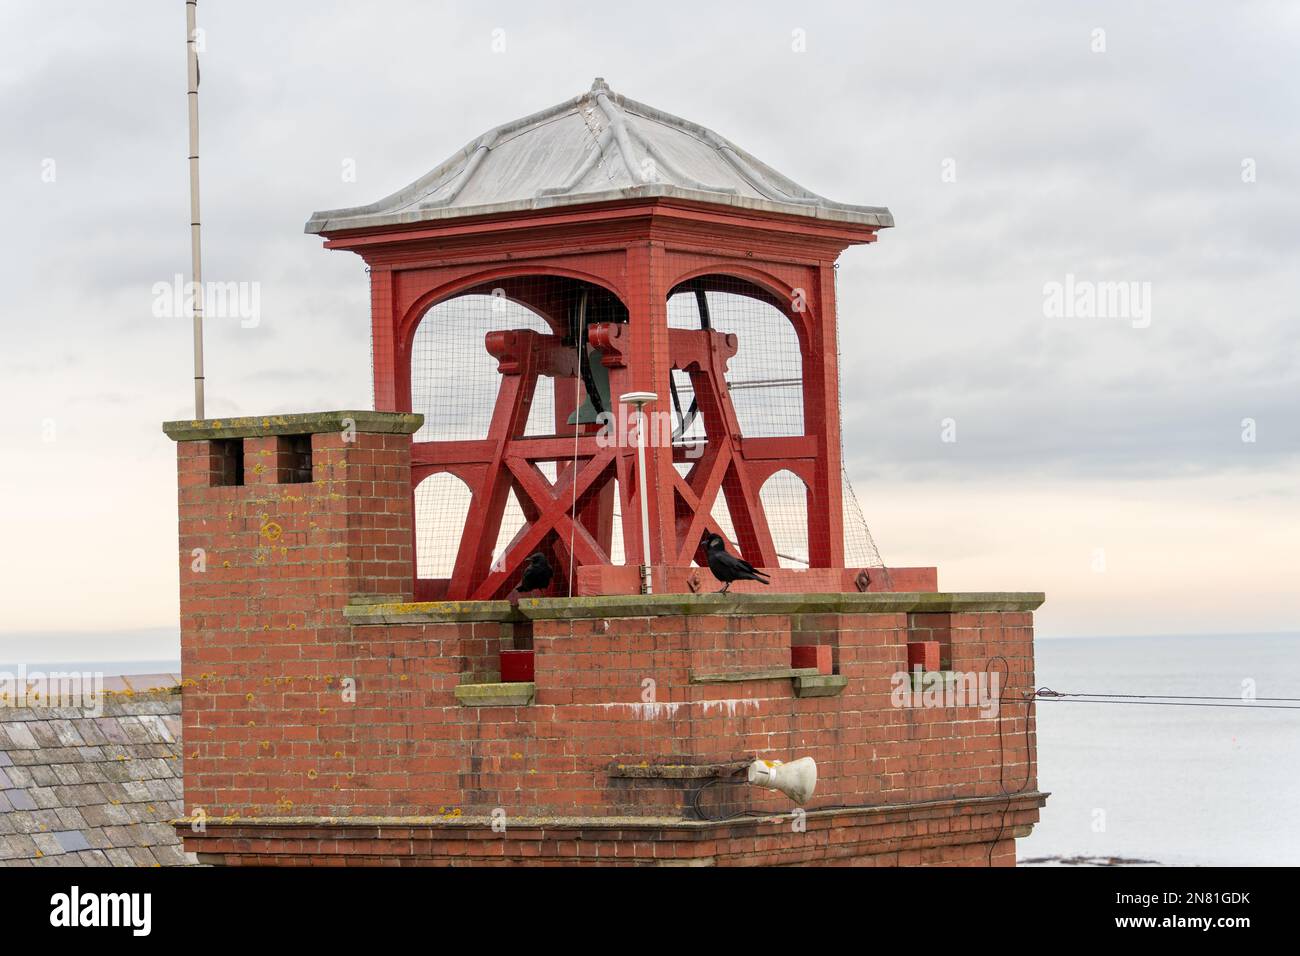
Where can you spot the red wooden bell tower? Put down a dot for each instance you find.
(592, 216)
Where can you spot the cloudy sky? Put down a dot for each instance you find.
(1099, 459)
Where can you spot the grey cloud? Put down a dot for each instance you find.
(1123, 165)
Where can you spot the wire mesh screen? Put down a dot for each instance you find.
(787, 522)
(617, 552)
(860, 549)
(764, 381)
(765, 387)
(442, 503)
(471, 385)
(454, 383)
(457, 384)
(765, 376)
(454, 379)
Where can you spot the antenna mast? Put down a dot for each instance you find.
(196, 254)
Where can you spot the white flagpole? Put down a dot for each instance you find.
(196, 255)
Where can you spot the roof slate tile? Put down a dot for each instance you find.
(141, 856)
(44, 734)
(68, 773)
(16, 845)
(45, 797)
(19, 737)
(66, 732)
(44, 776)
(112, 730)
(71, 841)
(81, 789)
(71, 818)
(48, 844)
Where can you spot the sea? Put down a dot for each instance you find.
(1134, 781)
(1169, 785)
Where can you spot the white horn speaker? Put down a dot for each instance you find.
(796, 779)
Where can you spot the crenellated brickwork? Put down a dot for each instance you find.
(329, 719)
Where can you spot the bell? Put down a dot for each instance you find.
(587, 413)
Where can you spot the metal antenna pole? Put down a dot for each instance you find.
(196, 254)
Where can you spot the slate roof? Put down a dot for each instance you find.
(598, 146)
(81, 790)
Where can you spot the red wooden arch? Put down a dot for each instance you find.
(636, 251)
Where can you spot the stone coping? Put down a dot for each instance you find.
(515, 694)
(660, 605)
(675, 771)
(307, 423)
(820, 685)
(452, 821)
(753, 673)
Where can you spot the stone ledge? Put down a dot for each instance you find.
(1028, 799)
(662, 605)
(675, 771)
(820, 685)
(308, 423)
(431, 612)
(757, 673)
(518, 694)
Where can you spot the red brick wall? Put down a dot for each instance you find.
(263, 618)
(269, 731)
(930, 835)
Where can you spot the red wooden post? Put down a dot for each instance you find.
(822, 393)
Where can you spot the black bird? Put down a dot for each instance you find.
(727, 567)
(537, 574)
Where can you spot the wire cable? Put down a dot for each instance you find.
(1169, 703)
(1166, 700)
(1002, 764)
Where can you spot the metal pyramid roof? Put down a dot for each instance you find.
(595, 147)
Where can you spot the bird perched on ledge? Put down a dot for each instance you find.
(727, 567)
(537, 574)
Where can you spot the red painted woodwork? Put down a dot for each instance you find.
(605, 579)
(818, 656)
(516, 666)
(923, 654)
(638, 250)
